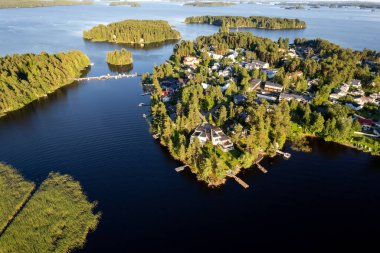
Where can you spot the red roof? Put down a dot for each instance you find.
(364, 121)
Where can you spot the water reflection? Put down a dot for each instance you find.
(120, 69)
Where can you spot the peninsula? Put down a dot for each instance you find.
(27, 77)
(260, 22)
(119, 57)
(224, 101)
(56, 217)
(133, 32)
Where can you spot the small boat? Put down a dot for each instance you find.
(92, 64)
(141, 104)
(287, 155)
(144, 115)
(145, 94)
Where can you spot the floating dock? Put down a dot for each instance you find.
(105, 77)
(241, 182)
(181, 168)
(284, 154)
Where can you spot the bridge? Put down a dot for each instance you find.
(106, 77)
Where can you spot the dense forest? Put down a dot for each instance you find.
(40, 3)
(27, 77)
(55, 218)
(119, 57)
(258, 126)
(209, 4)
(248, 22)
(133, 32)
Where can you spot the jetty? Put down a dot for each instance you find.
(105, 77)
(241, 182)
(284, 154)
(257, 163)
(181, 168)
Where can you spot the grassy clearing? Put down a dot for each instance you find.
(14, 191)
(57, 218)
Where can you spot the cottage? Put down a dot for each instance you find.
(365, 123)
(340, 92)
(354, 106)
(215, 56)
(269, 96)
(255, 64)
(269, 86)
(207, 132)
(295, 74)
(288, 97)
(239, 98)
(364, 100)
(254, 83)
(356, 83)
(204, 85)
(270, 72)
(190, 61)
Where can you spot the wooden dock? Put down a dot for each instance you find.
(241, 182)
(257, 163)
(105, 77)
(284, 154)
(261, 168)
(181, 168)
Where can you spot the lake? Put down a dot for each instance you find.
(95, 131)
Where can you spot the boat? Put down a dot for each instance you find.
(141, 104)
(144, 115)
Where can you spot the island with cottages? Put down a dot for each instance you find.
(222, 102)
(259, 22)
(133, 32)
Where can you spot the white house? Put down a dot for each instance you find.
(207, 132)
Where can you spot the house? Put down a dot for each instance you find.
(204, 85)
(270, 72)
(269, 96)
(354, 106)
(288, 97)
(355, 83)
(255, 64)
(226, 72)
(225, 87)
(365, 123)
(364, 100)
(292, 53)
(269, 86)
(207, 132)
(239, 98)
(190, 61)
(340, 92)
(215, 66)
(295, 74)
(254, 83)
(215, 56)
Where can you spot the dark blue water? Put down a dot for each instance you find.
(95, 131)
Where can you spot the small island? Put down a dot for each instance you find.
(260, 22)
(133, 32)
(119, 57)
(41, 3)
(225, 101)
(27, 77)
(125, 3)
(54, 218)
(209, 4)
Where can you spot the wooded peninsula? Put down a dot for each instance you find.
(260, 22)
(54, 218)
(125, 3)
(41, 3)
(223, 101)
(133, 32)
(27, 77)
(119, 57)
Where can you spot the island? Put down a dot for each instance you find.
(27, 77)
(41, 3)
(124, 3)
(119, 57)
(225, 101)
(133, 32)
(260, 22)
(55, 217)
(209, 4)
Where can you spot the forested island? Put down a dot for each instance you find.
(133, 32)
(27, 77)
(119, 57)
(336, 4)
(123, 3)
(41, 3)
(260, 22)
(56, 217)
(209, 4)
(225, 100)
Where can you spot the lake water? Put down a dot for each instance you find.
(95, 131)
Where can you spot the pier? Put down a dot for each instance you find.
(105, 77)
(284, 154)
(257, 163)
(241, 182)
(181, 168)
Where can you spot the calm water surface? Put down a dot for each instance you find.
(95, 131)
